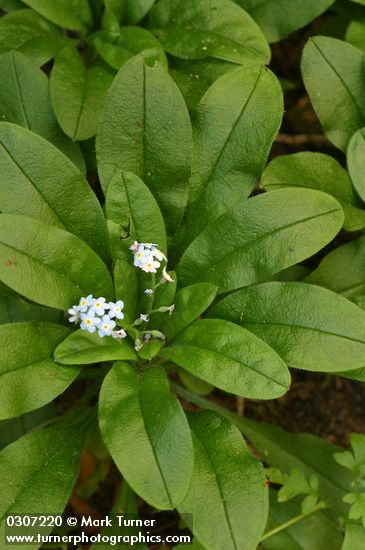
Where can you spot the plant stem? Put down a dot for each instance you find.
(283, 526)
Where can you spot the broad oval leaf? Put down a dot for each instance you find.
(231, 358)
(41, 459)
(25, 100)
(229, 153)
(190, 302)
(78, 93)
(316, 171)
(279, 18)
(305, 452)
(145, 129)
(30, 378)
(74, 15)
(310, 327)
(333, 74)
(131, 204)
(355, 33)
(131, 41)
(83, 348)
(29, 33)
(147, 434)
(263, 236)
(126, 287)
(356, 161)
(342, 270)
(48, 265)
(227, 499)
(38, 181)
(208, 28)
(284, 450)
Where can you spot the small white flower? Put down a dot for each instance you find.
(106, 326)
(74, 311)
(85, 303)
(115, 309)
(143, 317)
(119, 333)
(100, 305)
(150, 265)
(149, 245)
(156, 253)
(148, 291)
(89, 321)
(141, 256)
(166, 276)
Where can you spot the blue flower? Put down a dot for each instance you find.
(85, 303)
(115, 309)
(89, 321)
(99, 305)
(106, 326)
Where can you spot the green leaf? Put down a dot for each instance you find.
(354, 537)
(284, 450)
(355, 34)
(135, 10)
(15, 310)
(25, 100)
(131, 204)
(334, 77)
(310, 327)
(190, 302)
(227, 498)
(342, 270)
(77, 93)
(146, 432)
(279, 18)
(126, 287)
(229, 154)
(164, 296)
(14, 428)
(145, 129)
(208, 28)
(316, 171)
(354, 460)
(315, 531)
(231, 358)
(83, 348)
(74, 15)
(38, 181)
(27, 32)
(130, 42)
(48, 265)
(30, 378)
(42, 459)
(262, 236)
(356, 160)
(195, 77)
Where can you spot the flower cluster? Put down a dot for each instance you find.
(147, 256)
(98, 314)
